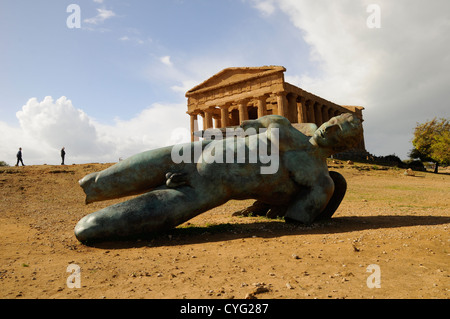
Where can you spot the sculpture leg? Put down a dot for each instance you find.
(158, 210)
(135, 175)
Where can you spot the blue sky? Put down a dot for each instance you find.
(115, 86)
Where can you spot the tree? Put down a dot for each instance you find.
(432, 142)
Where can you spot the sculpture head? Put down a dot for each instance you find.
(340, 133)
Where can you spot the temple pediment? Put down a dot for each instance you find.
(234, 75)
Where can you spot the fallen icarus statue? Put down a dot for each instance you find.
(182, 181)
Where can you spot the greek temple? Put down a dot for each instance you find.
(236, 94)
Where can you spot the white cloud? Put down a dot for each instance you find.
(185, 86)
(399, 72)
(48, 125)
(134, 39)
(266, 7)
(156, 126)
(102, 15)
(166, 60)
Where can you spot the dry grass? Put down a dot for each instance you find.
(395, 221)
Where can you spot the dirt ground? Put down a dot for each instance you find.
(398, 223)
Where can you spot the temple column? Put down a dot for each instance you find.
(208, 119)
(194, 127)
(292, 112)
(261, 105)
(282, 104)
(224, 115)
(202, 114)
(302, 117)
(243, 112)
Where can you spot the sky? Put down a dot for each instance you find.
(108, 81)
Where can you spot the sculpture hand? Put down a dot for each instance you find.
(174, 180)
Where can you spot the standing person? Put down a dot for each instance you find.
(19, 157)
(63, 153)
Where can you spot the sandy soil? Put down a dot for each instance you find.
(399, 223)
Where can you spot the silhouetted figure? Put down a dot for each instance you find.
(19, 157)
(63, 154)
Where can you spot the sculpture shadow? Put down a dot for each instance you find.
(266, 228)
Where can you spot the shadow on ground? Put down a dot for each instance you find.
(266, 228)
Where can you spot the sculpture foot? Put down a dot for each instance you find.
(86, 183)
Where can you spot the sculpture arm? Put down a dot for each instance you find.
(306, 208)
(315, 184)
(307, 129)
(265, 122)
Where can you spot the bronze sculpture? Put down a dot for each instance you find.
(298, 186)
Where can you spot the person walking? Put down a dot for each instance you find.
(63, 154)
(19, 157)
